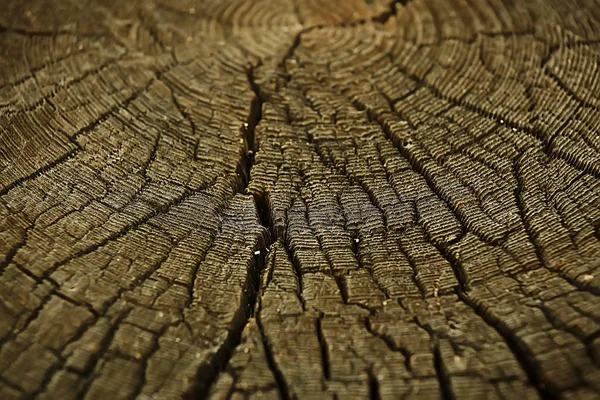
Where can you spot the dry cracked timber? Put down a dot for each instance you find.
(299, 199)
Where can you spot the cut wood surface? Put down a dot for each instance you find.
(299, 199)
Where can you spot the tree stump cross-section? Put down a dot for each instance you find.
(300, 199)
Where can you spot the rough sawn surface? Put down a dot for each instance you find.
(299, 199)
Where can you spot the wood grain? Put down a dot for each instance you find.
(300, 199)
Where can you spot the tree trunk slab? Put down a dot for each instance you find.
(297, 199)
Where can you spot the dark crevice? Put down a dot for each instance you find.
(232, 389)
(267, 276)
(152, 158)
(73, 301)
(255, 110)
(589, 346)
(88, 371)
(413, 266)
(370, 310)
(383, 18)
(340, 280)
(293, 47)
(208, 373)
(341, 284)
(13, 386)
(373, 386)
(442, 374)
(559, 82)
(568, 45)
(518, 348)
(444, 249)
(262, 206)
(41, 171)
(60, 364)
(252, 147)
(154, 34)
(260, 200)
(31, 275)
(390, 344)
(324, 350)
(32, 317)
(277, 374)
(10, 255)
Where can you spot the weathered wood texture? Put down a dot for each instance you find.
(299, 199)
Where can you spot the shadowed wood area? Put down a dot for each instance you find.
(299, 199)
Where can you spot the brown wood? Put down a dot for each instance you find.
(300, 199)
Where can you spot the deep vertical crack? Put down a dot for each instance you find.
(442, 374)
(210, 372)
(324, 349)
(255, 111)
(249, 129)
(374, 393)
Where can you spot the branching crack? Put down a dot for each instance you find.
(390, 344)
